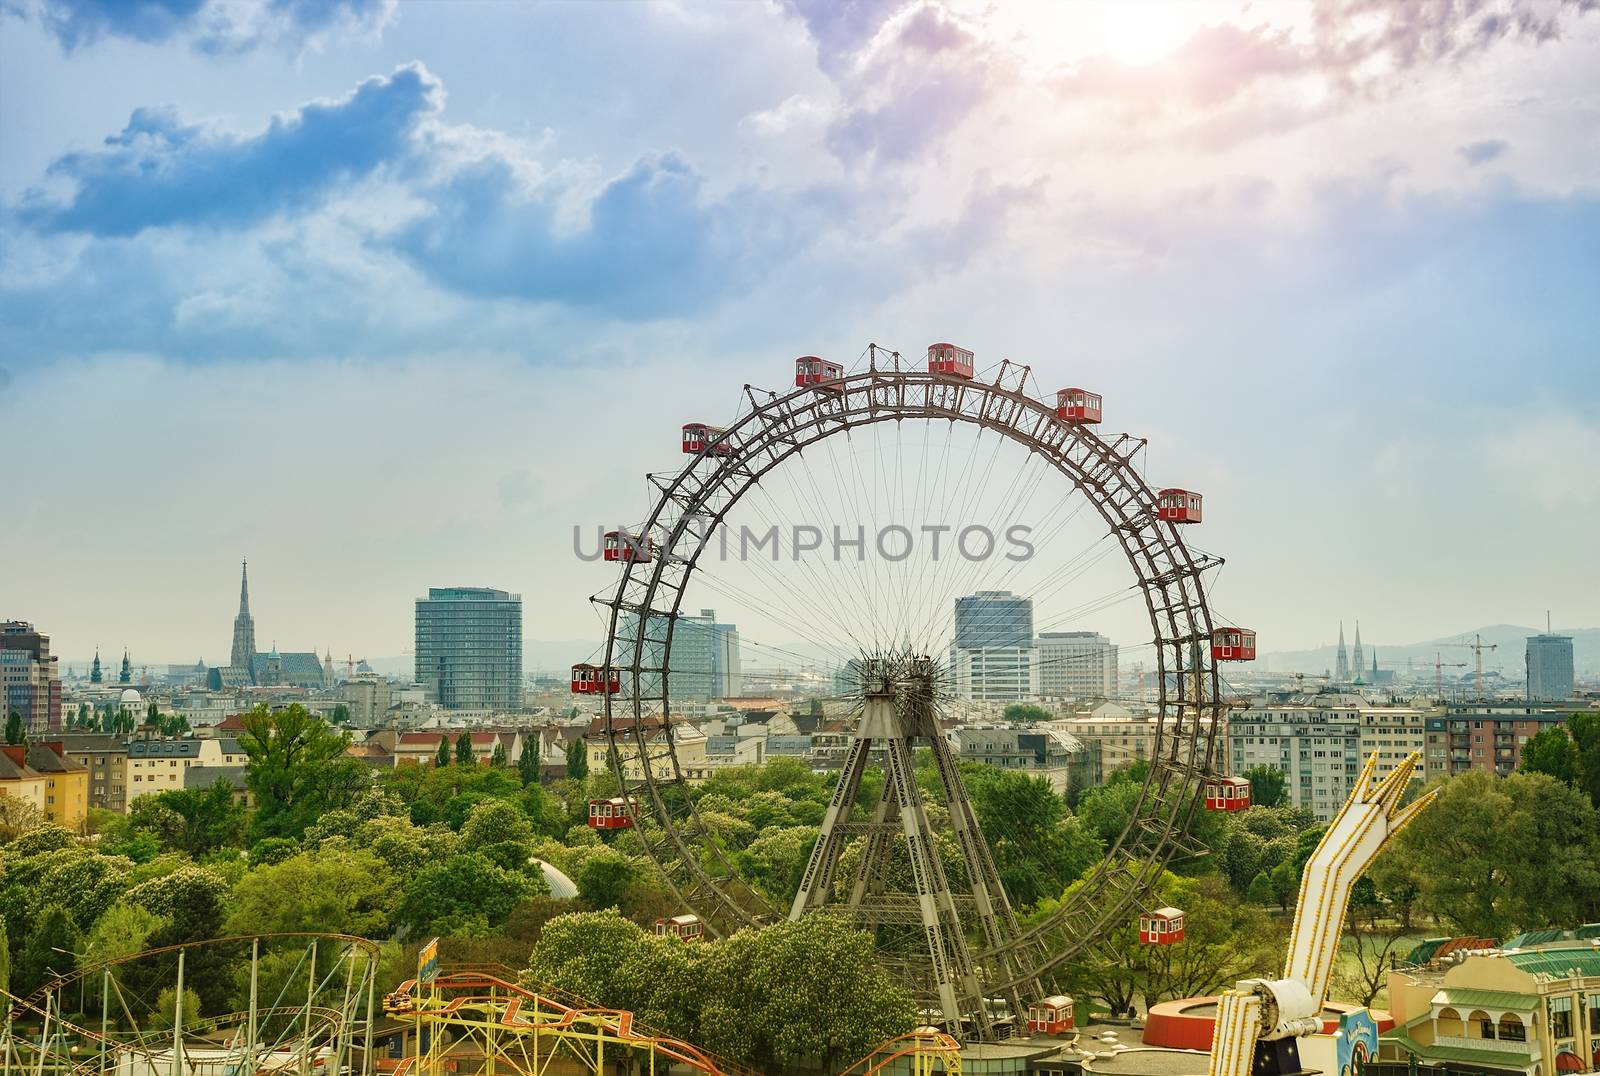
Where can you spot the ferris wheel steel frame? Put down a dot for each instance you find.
(693, 502)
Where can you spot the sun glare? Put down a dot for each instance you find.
(1050, 34)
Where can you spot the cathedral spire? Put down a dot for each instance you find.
(244, 625)
(1357, 661)
(125, 675)
(1341, 664)
(95, 675)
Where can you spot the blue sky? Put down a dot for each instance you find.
(389, 296)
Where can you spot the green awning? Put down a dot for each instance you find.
(1462, 998)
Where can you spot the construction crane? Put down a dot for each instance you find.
(1477, 646)
(1439, 666)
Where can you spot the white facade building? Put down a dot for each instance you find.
(995, 674)
(1077, 665)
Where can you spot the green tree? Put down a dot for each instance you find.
(1260, 889)
(1553, 752)
(493, 821)
(466, 894)
(606, 879)
(340, 715)
(1268, 786)
(1285, 879)
(1496, 855)
(1585, 730)
(122, 931)
(1107, 810)
(298, 770)
(1026, 713)
(441, 757)
(190, 820)
(166, 1013)
(755, 982)
(497, 758)
(5, 956)
(344, 891)
(1039, 847)
(51, 950)
(464, 755)
(578, 759)
(14, 732)
(528, 761)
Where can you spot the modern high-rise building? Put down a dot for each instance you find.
(993, 658)
(994, 618)
(705, 658)
(30, 684)
(995, 673)
(1550, 671)
(469, 648)
(1077, 664)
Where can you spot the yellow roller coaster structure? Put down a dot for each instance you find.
(473, 1020)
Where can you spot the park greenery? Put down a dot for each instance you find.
(454, 849)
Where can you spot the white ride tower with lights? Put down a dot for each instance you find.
(1260, 1021)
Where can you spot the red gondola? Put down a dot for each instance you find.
(610, 814)
(1178, 506)
(1078, 406)
(1227, 794)
(1233, 644)
(949, 360)
(1161, 927)
(593, 680)
(1050, 1016)
(698, 439)
(621, 545)
(810, 371)
(688, 927)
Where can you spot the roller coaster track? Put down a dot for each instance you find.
(928, 1050)
(498, 1026)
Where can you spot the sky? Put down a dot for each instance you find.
(388, 296)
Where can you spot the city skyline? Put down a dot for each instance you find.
(1343, 326)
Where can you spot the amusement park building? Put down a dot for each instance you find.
(1533, 1011)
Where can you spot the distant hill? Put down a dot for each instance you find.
(1511, 640)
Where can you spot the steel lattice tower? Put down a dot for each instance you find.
(920, 919)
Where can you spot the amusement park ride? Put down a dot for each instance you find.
(951, 934)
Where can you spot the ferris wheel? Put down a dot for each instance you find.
(938, 448)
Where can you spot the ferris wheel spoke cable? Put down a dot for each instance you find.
(828, 611)
(797, 626)
(919, 586)
(879, 601)
(866, 599)
(821, 614)
(1011, 500)
(972, 492)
